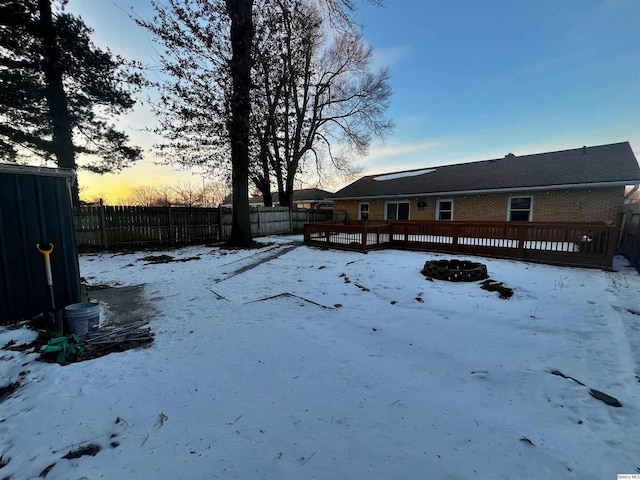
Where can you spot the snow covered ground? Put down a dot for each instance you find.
(369, 372)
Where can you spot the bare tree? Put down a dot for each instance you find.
(188, 194)
(165, 196)
(207, 104)
(142, 196)
(215, 193)
(316, 96)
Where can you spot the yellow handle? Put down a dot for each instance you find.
(45, 251)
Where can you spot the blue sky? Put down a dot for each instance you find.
(472, 80)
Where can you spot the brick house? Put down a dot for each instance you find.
(580, 185)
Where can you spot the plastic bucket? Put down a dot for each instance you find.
(82, 318)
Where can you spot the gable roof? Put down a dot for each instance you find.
(603, 165)
(304, 195)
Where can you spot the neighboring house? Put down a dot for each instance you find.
(311, 198)
(580, 185)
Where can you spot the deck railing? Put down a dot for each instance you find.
(589, 244)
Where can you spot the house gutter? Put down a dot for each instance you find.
(494, 190)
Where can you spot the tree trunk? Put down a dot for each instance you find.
(56, 97)
(265, 180)
(240, 65)
(265, 189)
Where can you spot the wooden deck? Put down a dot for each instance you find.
(579, 244)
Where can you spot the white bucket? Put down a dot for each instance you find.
(82, 317)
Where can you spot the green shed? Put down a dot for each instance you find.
(35, 207)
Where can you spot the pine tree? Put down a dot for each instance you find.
(59, 91)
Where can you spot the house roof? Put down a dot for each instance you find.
(307, 195)
(602, 165)
(299, 196)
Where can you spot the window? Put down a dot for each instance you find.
(363, 213)
(519, 209)
(444, 210)
(397, 211)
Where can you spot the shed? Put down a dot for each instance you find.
(35, 207)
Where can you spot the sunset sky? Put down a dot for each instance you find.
(472, 80)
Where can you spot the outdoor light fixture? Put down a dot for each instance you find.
(422, 204)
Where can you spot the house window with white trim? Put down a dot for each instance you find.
(519, 209)
(396, 211)
(363, 211)
(444, 209)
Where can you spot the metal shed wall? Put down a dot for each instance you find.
(35, 207)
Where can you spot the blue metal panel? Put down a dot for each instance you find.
(35, 207)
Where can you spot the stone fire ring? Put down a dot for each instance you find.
(455, 270)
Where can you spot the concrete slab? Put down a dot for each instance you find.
(123, 305)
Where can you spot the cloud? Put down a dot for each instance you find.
(389, 56)
(396, 150)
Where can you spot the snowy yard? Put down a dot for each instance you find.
(366, 371)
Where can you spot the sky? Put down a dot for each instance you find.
(471, 80)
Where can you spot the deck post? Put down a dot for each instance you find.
(364, 238)
(611, 246)
(522, 237)
(455, 235)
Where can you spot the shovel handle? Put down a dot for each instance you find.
(47, 263)
(45, 251)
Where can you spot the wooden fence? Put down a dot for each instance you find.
(629, 244)
(104, 227)
(570, 243)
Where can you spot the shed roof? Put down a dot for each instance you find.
(603, 165)
(31, 170)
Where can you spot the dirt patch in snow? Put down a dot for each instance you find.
(35, 345)
(154, 259)
(492, 286)
(8, 389)
(91, 449)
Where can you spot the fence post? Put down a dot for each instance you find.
(257, 210)
(171, 232)
(103, 226)
(364, 238)
(220, 227)
(290, 220)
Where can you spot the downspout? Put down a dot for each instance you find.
(627, 197)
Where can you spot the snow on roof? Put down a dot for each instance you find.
(394, 176)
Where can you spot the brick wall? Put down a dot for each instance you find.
(583, 205)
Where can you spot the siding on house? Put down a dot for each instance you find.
(575, 205)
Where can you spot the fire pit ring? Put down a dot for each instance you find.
(455, 270)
